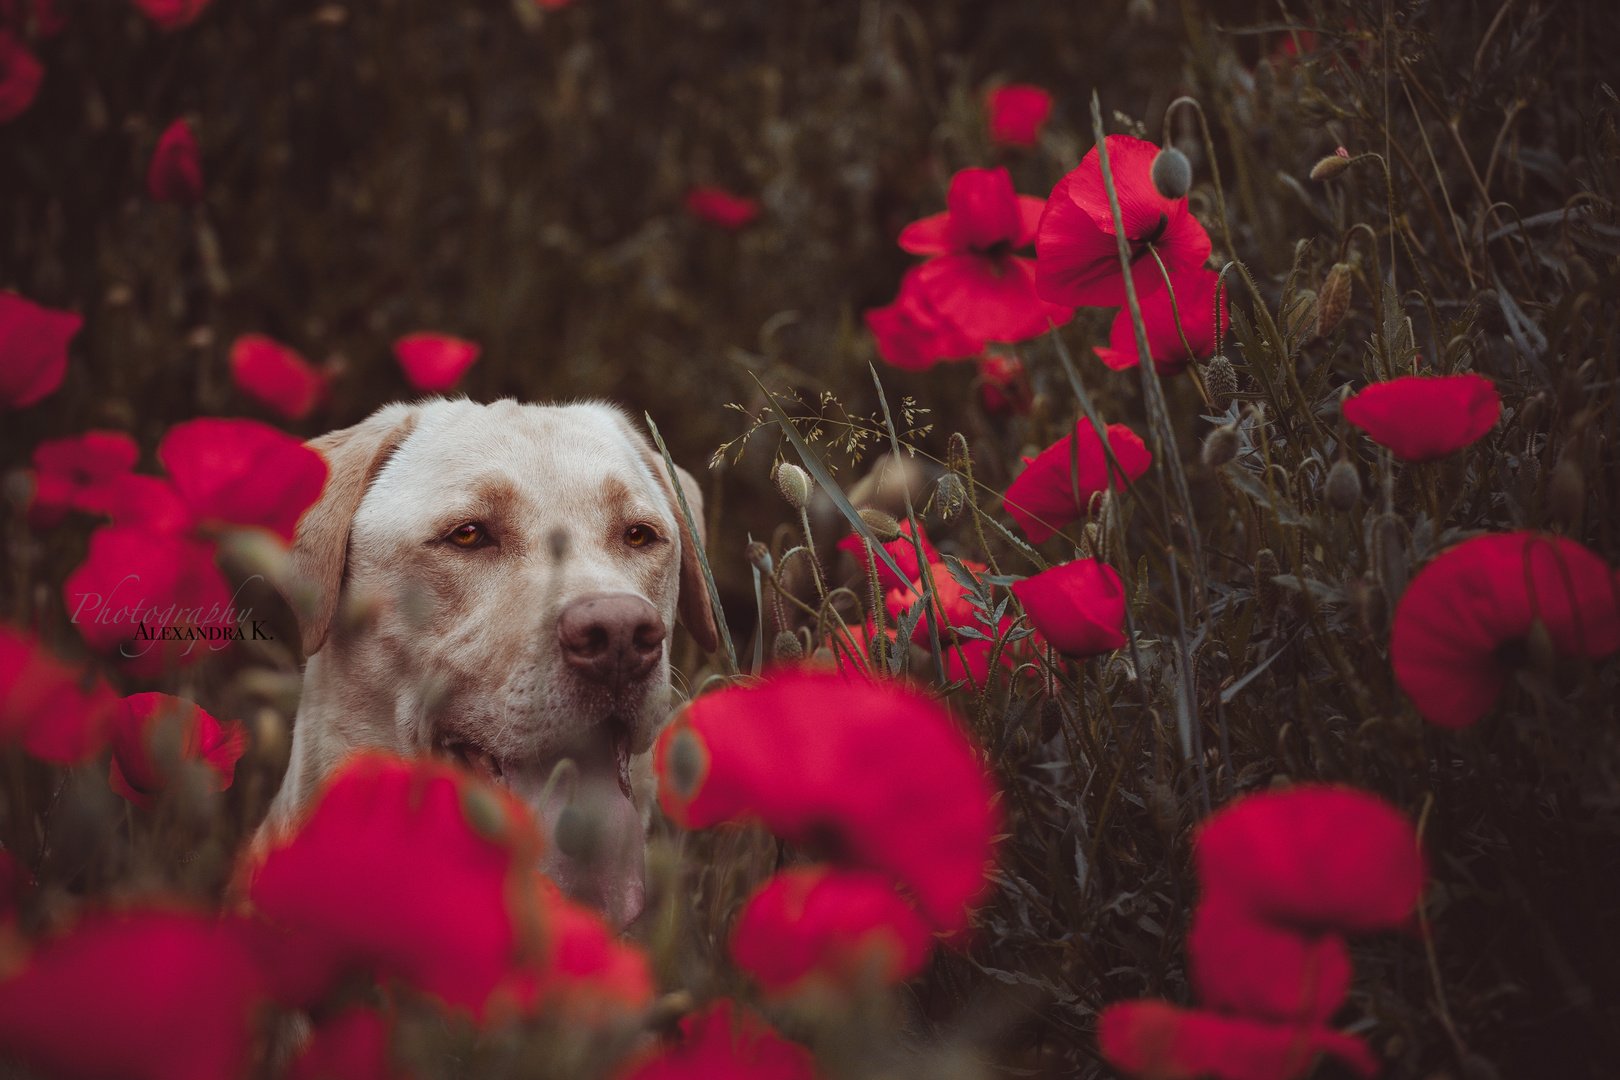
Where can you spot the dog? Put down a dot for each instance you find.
(498, 584)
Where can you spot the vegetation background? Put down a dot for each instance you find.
(515, 175)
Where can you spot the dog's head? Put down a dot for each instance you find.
(499, 583)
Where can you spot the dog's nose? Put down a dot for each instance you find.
(613, 639)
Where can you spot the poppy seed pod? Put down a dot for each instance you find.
(786, 646)
(1220, 379)
(794, 484)
(759, 557)
(1267, 593)
(952, 496)
(1329, 167)
(1342, 489)
(1220, 445)
(1172, 173)
(1334, 300)
(884, 527)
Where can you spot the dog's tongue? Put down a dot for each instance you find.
(595, 845)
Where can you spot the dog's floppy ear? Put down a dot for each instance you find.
(320, 546)
(693, 608)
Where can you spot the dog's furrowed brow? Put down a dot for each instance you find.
(495, 501)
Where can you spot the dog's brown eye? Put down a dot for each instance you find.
(469, 535)
(639, 535)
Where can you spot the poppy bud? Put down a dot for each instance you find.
(786, 647)
(952, 496)
(1540, 651)
(884, 527)
(578, 834)
(683, 766)
(1220, 379)
(956, 454)
(1334, 300)
(1329, 167)
(824, 659)
(1221, 445)
(1566, 492)
(1051, 718)
(794, 484)
(1267, 593)
(1172, 173)
(484, 813)
(1342, 489)
(1301, 314)
(759, 557)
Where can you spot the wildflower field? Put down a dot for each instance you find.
(1162, 503)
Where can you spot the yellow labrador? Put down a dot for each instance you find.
(498, 583)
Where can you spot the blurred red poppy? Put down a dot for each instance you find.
(1313, 857)
(1464, 621)
(952, 599)
(74, 474)
(270, 372)
(871, 774)
(242, 472)
(717, 206)
(901, 550)
(172, 14)
(1016, 113)
(1078, 607)
(820, 926)
(197, 736)
(911, 333)
(1426, 417)
(1157, 1041)
(53, 709)
(433, 363)
(1240, 964)
(353, 1045)
(148, 995)
(1005, 385)
(584, 971)
(972, 278)
(1195, 304)
(155, 600)
(1043, 498)
(175, 172)
(725, 1041)
(1077, 255)
(147, 501)
(33, 349)
(20, 76)
(409, 870)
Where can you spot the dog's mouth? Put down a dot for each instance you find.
(583, 800)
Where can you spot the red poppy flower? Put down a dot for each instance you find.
(1426, 417)
(409, 870)
(912, 335)
(951, 597)
(814, 925)
(137, 777)
(973, 279)
(1076, 251)
(276, 375)
(147, 501)
(1157, 1041)
(1079, 607)
(33, 348)
(172, 14)
(1313, 856)
(717, 206)
(51, 708)
(1241, 964)
(353, 1045)
(726, 1041)
(20, 76)
(155, 600)
(1042, 499)
(74, 474)
(1462, 623)
(175, 173)
(901, 550)
(1004, 386)
(1195, 303)
(585, 971)
(149, 995)
(1017, 113)
(875, 774)
(242, 472)
(433, 363)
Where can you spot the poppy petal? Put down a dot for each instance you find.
(912, 335)
(984, 210)
(990, 299)
(1042, 497)
(277, 376)
(33, 349)
(175, 172)
(1016, 113)
(901, 550)
(138, 777)
(1426, 417)
(1239, 963)
(725, 1041)
(242, 472)
(48, 706)
(927, 236)
(1158, 1041)
(433, 363)
(1079, 607)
